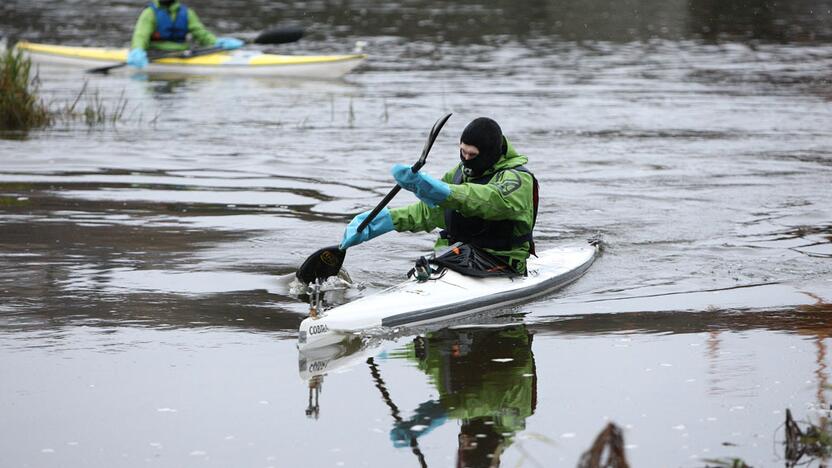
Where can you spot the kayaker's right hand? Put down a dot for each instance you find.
(429, 190)
(381, 224)
(137, 58)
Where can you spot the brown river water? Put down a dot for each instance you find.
(145, 314)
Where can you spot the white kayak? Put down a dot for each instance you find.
(237, 62)
(450, 296)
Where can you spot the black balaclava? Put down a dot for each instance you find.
(166, 3)
(487, 136)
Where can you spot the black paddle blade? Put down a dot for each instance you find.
(106, 69)
(321, 264)
(280, 35)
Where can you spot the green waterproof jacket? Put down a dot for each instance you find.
(508, 196)
(146, 26)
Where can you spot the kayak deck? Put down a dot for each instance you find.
(449, 296)
(236, 62)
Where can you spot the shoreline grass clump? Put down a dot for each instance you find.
(20, 107)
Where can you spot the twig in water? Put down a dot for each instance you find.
(607, 451)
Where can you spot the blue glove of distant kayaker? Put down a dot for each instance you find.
(381, 224)
(228, 43)
(429, 190)
(137, 58)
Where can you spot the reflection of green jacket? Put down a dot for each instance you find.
(500, 199)
(486, 374)
(146, 26)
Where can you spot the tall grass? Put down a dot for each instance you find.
(94, 112)
(20, 107)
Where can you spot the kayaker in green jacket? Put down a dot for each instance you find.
(165, 25)
(489, 200)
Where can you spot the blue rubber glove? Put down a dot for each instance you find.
(429, 190)
(381, 224)
(427, 417)
(137, 58)
(228, 43)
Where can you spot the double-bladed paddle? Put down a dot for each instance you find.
(327, 262)
(282, 35)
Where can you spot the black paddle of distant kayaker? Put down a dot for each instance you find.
(327, 262)
(282, 35)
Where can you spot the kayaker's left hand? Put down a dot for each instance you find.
(228, 43)
(429, 190)
(381, 224)
(137, 58)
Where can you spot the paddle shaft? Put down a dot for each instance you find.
(174, 54)
(281, 35)
(394, 410)
(327, 262)
(415, 168)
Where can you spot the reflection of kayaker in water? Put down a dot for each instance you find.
(489, 200)
(165, 25)
(486, 379)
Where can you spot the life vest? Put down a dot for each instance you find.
(496, 235)
(170, 30)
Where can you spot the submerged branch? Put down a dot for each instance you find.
(607, 451)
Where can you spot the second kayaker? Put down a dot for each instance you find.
(489, 200)
(165, 25)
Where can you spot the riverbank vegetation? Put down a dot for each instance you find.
(22, 109)
(94, 111)
(20, 106)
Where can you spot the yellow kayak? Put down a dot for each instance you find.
(237, 62)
